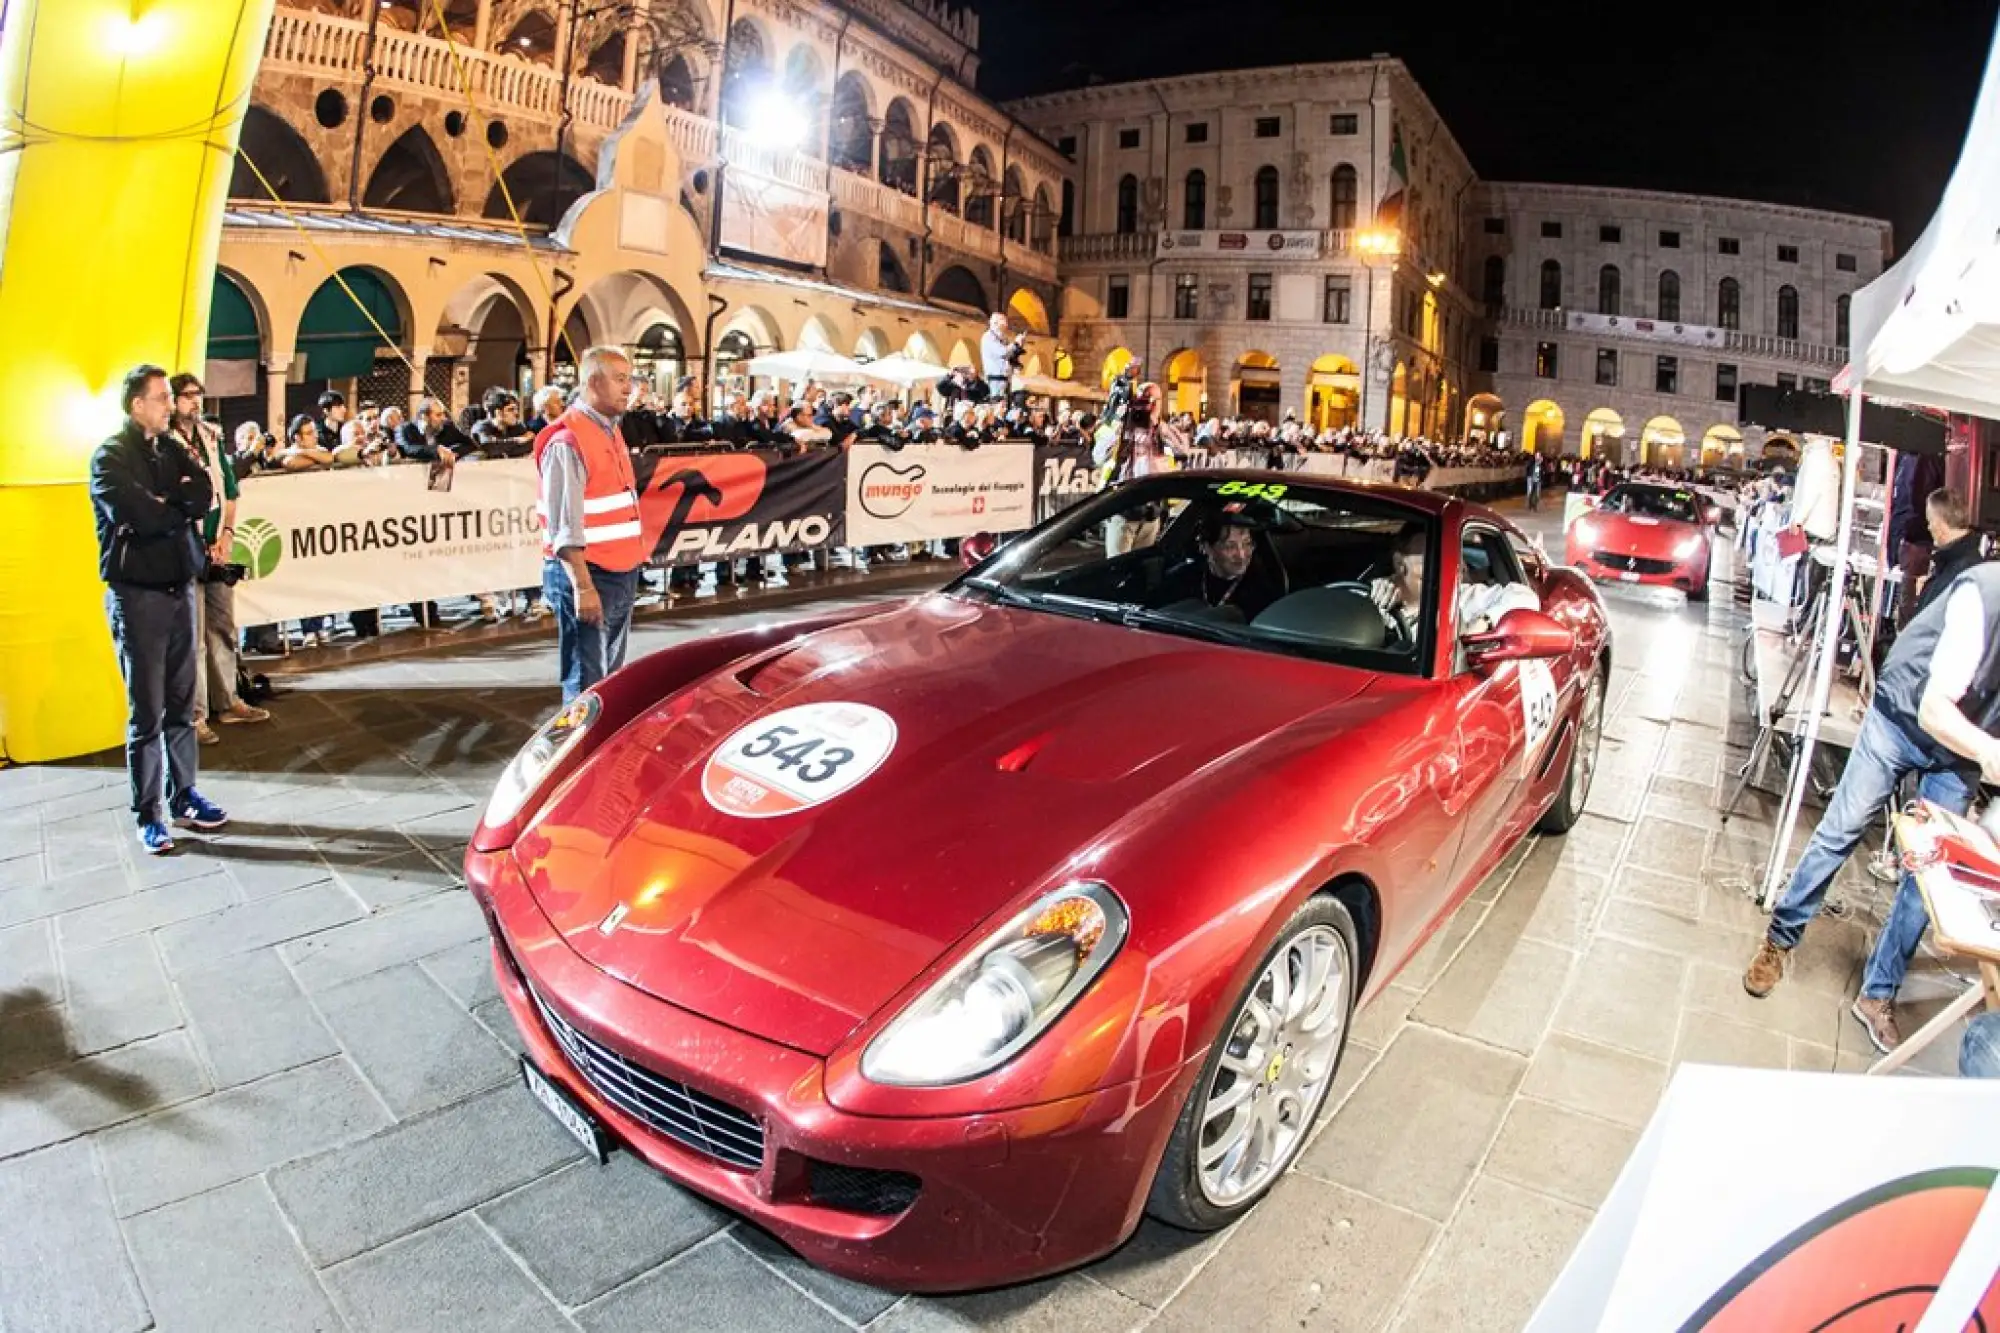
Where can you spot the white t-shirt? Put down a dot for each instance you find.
(1961, 643)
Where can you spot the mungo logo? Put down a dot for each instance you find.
(888, 491)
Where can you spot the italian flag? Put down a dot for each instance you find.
(1389, 213)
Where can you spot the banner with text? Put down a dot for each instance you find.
(930, 491)
(1243, 244)
(1065, 477)
(729, 506)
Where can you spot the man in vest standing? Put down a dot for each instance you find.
(1936, 713)
(592, 543)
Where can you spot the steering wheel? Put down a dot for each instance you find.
(1389, 618)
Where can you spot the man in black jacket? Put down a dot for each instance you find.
(1956, 546)
(148, 493)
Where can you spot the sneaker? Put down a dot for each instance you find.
(192, 811)
(205, 733)
(242, 712)
(1879, 1017)
(153, 836)
(1766, 970)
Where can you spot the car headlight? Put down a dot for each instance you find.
(1686, 547)
(544, 750)
(1003, 994)
(1586, 532)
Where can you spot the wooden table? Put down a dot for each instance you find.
(1955, 930)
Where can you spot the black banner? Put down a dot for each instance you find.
(1064, 476)
(730, 506)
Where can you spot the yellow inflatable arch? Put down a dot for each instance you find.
(120, 126)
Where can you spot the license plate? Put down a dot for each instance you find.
(579, 1122)
(1627, 576)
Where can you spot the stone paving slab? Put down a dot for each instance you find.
(272, 1071)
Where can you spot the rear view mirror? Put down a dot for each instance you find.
(1523, 635)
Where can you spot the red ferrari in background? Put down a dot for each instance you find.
(945, 939)
(1645, 533)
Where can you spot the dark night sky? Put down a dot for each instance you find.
(1836, 104)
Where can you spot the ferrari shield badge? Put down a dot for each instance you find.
(797, 758)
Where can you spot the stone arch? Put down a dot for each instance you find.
(1014, 202)
(960, 286)
(491, 324)
(1115, 360)
(606, 61)
(896, 161)
(941, 153)
(1026, 305)
(756, 323)
(1256, 385)
(1040, 227)
(1542, 427)
(852, 114)
(1603, 433)
(921, 346)
(804, 79)
(283, 155)
(1333, 390)
(963, 355)
(749, 63)
(239, 323)
(890, 275)
(1781, 448)
(872, 345)
(818, 333)
(1719, 443)
(337, 338)
(979, 179)
(1184, 387)
(677, 83)
(1661, 440)
(410, 177)
(531, 37)
(1485, 415)
(542, 186)
(618, 308)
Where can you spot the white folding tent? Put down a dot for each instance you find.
(904, 370)
(1927, 334)
(808, 363)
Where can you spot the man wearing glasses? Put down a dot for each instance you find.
(215, 591)
(148, 494)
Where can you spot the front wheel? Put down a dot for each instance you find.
(1562, 816)
(1266, 1080)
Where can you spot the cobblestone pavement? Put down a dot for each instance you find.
(265, 1084)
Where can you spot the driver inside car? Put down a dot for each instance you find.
(1226, 575)
(1481, 603)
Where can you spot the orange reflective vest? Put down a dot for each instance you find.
(612, 535)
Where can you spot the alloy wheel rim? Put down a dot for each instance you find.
(1276, 1066)
(1584, 765)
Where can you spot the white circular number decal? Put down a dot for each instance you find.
(797, 758)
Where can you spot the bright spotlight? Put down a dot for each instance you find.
(776, 120)
(135, 36)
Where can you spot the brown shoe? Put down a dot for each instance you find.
(1766, 970)
(205, 734)
(1879, 1017)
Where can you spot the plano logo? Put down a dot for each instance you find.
(888, 491)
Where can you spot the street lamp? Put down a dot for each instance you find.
(1373, 244)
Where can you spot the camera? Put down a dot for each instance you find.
(229, 574)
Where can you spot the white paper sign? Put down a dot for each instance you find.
(929, 491)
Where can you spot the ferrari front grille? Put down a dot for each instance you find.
(1636, 564)
(689, 1117)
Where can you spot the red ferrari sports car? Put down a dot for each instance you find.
(946, 938)
(1642, 532)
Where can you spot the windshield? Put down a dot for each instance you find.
(1275, 565)
(1651, 502)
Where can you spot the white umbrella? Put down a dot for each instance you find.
(904, 369)
(808, 363)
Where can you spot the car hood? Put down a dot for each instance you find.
(1642, 535)
(1020, 736)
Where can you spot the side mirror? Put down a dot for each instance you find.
(972, 550)
(1522, 635)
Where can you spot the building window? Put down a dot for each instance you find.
(1266, 215)
(1728, 245)
(1066, 220)
(1607, 367)
(1265, 127)
(1729, 304)
(1842, 312)
(1667, 375)
(1552, 231)
(1493, 282)
(1788, 312)
(1339, 300)
(1545, 361)
(1258, 306)
(1788, 383)
(1610, 233)
(1128, 204)
(1187, 296)
(1346, 197)
(1118, 296)
(1194, 201)
(1725, 383)
(1670, 297)
(1495, 226)
(1670, 240)
(1610, 290)
(1196, 132)
(1067, 146)
(1344, 122)
(1489, 356)
(1788, 254)
(1552, 284)
(1844, 263)
(1128, 138)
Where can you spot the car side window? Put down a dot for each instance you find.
(1490, 584)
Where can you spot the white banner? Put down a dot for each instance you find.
(1687, 335)
(1243, 244)
(929, 491)
(323, 542)
(761, 216)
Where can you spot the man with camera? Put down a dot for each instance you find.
(215, 594)
(999, 353)
(148, 494)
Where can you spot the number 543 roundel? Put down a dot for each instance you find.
(797, 758)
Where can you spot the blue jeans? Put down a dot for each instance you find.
(586, 654)
(1882, 756)
(1979, 1053)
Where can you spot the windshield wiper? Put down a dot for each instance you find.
(1088, 608)
(1001, 593)
(1139, 617)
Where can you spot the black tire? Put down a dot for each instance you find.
(1561, 817)
(1177, 1197)
(1700, 596)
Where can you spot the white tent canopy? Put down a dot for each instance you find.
(811, 364)
(903, 369)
